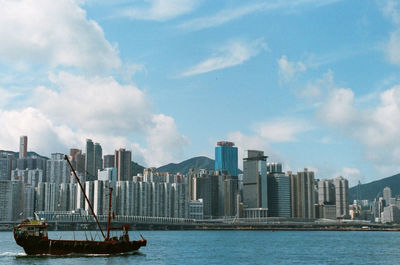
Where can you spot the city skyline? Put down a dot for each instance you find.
(44, 186)
(167, 80)
(225, 153)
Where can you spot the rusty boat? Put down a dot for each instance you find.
(32, 236)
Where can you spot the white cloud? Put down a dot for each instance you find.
(391, 9)
(353, 175)
(54, 33)
(43, 134)
(72, 107)
(94, 103)
(377, 127)
(159, 10)
(252, 142)
(232, 54)
(279, 130)
(165, 136)
(6, 97)
(221, 17)
(100, 108)
(230, 14)
(393, 47)
(288, 69)
(282, 130)
(317, 89)
(339, 109)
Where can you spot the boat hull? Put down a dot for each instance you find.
(33, 245)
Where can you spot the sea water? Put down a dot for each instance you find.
(230, 247)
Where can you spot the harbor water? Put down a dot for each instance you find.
(230, 247)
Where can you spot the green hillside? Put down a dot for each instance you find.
(199, 162)
(370, 190)
(16, 154)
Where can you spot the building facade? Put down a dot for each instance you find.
(226, 158)
(23, 147)
(255, 180)
(122, 162)
(341, 198)
(302, 194)
(89, 161)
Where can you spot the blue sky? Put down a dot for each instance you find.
(312, 83)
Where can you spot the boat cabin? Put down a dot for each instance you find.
(32, 228)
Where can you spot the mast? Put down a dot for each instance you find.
(109, 214)
(84, 193)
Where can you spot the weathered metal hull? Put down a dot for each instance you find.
(33, 245)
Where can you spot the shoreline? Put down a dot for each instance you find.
(225, 227)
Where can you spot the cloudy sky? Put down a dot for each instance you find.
(313, 83)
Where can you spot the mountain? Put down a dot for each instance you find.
(183, 167)
(29, 154)
(199, 162)
(136, 168)
(370, 190)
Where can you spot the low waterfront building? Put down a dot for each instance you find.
(107, 174)
(390, 214)
(196, 209)
(255, 213)
(12, 200)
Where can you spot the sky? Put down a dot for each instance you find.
(312, 83)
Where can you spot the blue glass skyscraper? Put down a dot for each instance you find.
(226, 157)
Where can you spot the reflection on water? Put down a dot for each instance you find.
(25, 256)
(231, 247)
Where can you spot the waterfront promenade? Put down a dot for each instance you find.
(64, 221)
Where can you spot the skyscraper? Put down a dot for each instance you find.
(326, 192)
(89, 161)
(23, 146)
(255, 179)
(77, 160)
(274, 168)
(58, 170)
(387, 195)
(5, 166)
(98, 158)
(226, 157)
(12, 199)
(278, 195)
(108, 161)
(341, 191)
(302, 194)
(204, 185)
(122, 162)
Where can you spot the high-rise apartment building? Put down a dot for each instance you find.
(5, 166)
(122, 162)
(204, 185)
(341, 198)
(12, 199)
(387, 195)
(108, 161)
(302, 194)
(326, 192)
(77, 160)
(226, 158)
(29, 202)
(180, 207)
(274, 168)
(89, 161)
(58, 170)
(98, 158)
(229, 188)
(278, 195)
(23, 147)
(255, 185)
